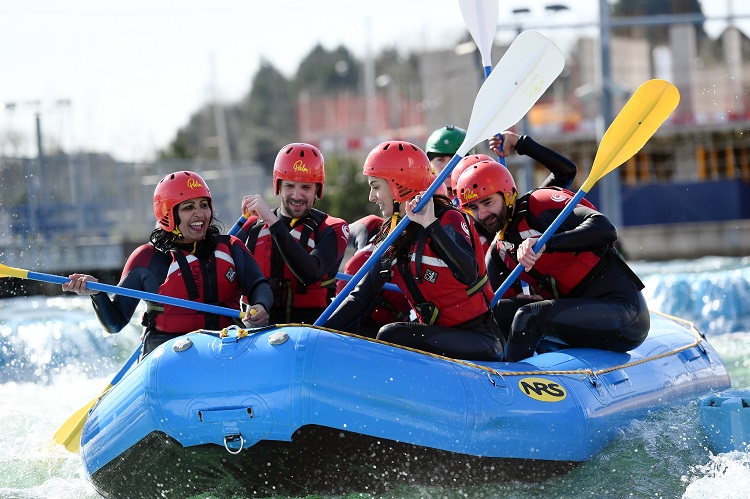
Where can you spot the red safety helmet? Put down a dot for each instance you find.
(404, 165)
(173, 190)
(462, 165)
(299, 162)
(484, 178)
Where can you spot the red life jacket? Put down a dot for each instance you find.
(290, 292)
(214, 283)
(390, 306)
(554, 274)
(433, 292)
(486, 243)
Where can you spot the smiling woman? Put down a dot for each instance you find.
(186, 258)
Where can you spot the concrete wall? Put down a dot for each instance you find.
(686, 240)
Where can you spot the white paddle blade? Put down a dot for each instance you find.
(480, 17)
(502, 101)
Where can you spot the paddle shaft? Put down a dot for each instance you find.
(238, 224)
(126, 366)
(141, 295)
(389, 286)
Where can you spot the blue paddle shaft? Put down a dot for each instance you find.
(516, 273)
(126, 367)
(389, 286)
(141, 295)
(237, 226)
(487, 71)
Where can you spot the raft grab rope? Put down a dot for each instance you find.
(590, 373)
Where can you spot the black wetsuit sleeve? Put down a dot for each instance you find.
(496, 268)
(584, 229)
(358, 236)
(359, 300)
(454, 250)
(562, 170)
(114, 314)
(307, 267)
(255, 286)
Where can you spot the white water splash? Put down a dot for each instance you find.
(725, 475)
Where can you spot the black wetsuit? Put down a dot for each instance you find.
(605, 310)
(298, 268)
(562, 170)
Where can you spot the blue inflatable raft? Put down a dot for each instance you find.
(300, 410)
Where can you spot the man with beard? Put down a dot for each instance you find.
(299, 248)
(562, 173)
(583, 292)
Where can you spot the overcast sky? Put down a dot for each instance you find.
(121, 76)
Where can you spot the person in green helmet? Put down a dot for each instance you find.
(442, 145)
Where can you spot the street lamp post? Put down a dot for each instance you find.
(527, 164)
(610, 199)
(34, 176)
(385, 81)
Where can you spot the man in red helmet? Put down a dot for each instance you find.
(584, 294)
(298, 247)
(187, 258)
(562, 173)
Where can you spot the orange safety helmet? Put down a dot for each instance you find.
(299, 162)
(462, 165)
(484, 178)
(403, 165)
(173, 190)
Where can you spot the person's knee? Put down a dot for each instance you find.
(526, 330)
(526, 327)
(392, 332)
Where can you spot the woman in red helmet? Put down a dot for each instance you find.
(584, 294)
(437, 262)
(188, 258)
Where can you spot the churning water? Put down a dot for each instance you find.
(55, 358)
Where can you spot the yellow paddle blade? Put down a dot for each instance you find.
(6, 271)
(69, 434)
(642, 115)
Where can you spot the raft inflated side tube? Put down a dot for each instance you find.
(726, 420)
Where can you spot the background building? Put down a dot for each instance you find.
(685, 194)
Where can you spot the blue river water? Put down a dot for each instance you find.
(55, 357)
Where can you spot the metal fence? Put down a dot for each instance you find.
(84, 211)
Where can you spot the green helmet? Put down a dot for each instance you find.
(445, 140)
